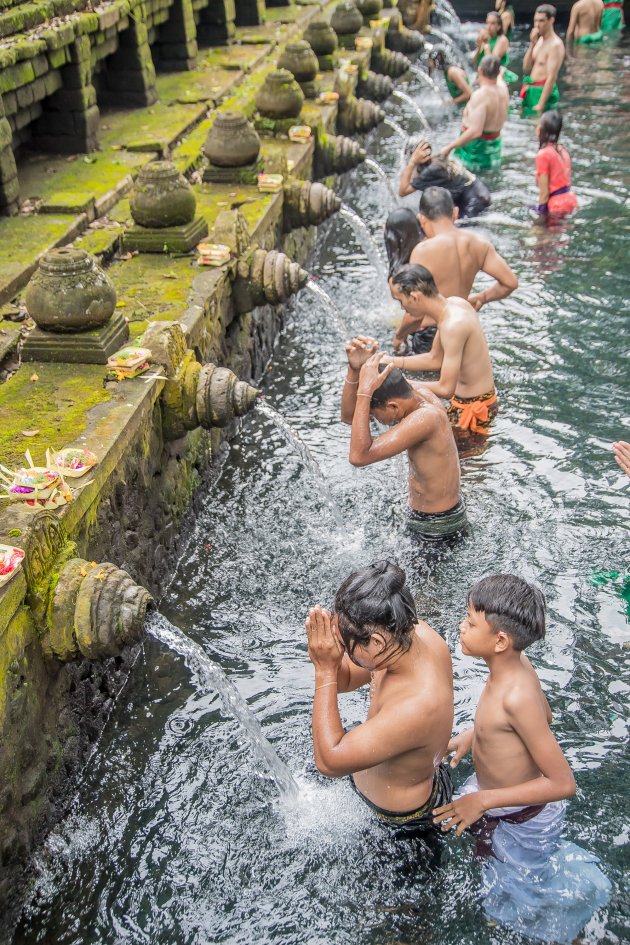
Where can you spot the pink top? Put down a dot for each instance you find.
(554, 161)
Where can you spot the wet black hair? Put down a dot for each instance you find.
(490, 66)
(496, 14)
(439, 57)
(415, 278)
(435, 203)
(373, 599)
(550, 128)
(549, 10)
(512, 605)
(393, 387)
(402, 233)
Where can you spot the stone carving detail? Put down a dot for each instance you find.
(346, 22)
(221, 396)
(162, 197)
(95, 610)
(335, 154)
(400, 39)
(308, 204)
(167, 343)
(393, 64)
(323, 41)
(358, 114)
(69, 292)
(265, 276)
(232, 141)
(375, 87)
(46, 540)
(299, 58)
(279, 96)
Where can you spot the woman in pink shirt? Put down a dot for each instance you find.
(553, 168)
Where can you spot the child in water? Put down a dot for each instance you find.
(553, 168)
(515, 801)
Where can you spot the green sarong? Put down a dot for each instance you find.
(482, 154)
(531, 92)
(509, 76)
(612, 18)
(591, 37)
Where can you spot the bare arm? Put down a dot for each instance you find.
(506, 280)
(528, 59)
(350, 676)
(364, 450)
(501, 46)
(543, 188)
(572, 23)
(554, 62)
(476, 120)
(421, 156)
(453, 342)
(431, 361)
(408, 324)
(358, 351)
(464, 88)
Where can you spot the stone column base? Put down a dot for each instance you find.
(169, 239)
(85, 347)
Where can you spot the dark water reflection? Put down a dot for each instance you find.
(177, 838)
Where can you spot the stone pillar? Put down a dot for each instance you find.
(9, 186)
(250, 12)
(216, 23)
(71, 118)
(129, 79)
(176, 46)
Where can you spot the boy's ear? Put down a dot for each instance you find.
(502, 642)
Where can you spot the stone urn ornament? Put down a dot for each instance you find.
(322, 39)
(163, 205)
(161, 196)
(279, 96)
(369, 9)
(72, 302)
(346, 22)
(298, 57)
(232, 141)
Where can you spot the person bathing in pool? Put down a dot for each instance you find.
(419, 426)
(374, 638)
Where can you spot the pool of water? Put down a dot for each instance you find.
(177, 835)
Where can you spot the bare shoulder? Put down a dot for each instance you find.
(428, 396)
(428, 635)
(423, 251)
(524, 691)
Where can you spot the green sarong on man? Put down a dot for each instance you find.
(482, 154)
(591, 38)
(531, 93)
(612, 18)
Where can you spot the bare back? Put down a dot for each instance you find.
(454, 258)
(404, 783)
(544, 56)
(588, 17)
(434, 471)
(493, 101)
(500, 757)
(461, 330)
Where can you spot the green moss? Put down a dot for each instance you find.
(42, 176)
(149, 129)
(22, 239)
(55, 404)
(152, 287)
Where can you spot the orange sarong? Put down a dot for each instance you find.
(473, 413)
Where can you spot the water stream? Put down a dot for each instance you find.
(396, 127)
(407, 99)
(332, 311)
(174, 837)
(453, 48)
(365, 239)
(424, 77)
(384, 176)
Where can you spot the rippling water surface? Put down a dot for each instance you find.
(177, 836)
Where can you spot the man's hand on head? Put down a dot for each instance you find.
(421, 154)
(324, 645)
(370, 378)
(359, 350)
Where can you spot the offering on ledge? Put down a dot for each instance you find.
(39, 487)
(327, 98)
(213, 254)
(73, 461)
(300, 133)
(10, 561)
(363, 43)
(129, 362)
(270, 183)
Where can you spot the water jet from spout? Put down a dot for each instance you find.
(407, 99)
(365, 240)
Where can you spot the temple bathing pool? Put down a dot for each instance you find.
(176, 834)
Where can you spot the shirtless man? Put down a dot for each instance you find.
(454, 257)
(420, 427)
(479, 145)
(585, 24)
(542, 62)
(374, 638)
(459, 352)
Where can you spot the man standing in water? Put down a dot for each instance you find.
(454, 257)
(585, 24)
(374, 638)
(479, 145)
(460, 350)
(542, 62)
(420, 427)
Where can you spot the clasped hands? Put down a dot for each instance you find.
(325, 648)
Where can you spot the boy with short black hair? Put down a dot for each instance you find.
(536, 883)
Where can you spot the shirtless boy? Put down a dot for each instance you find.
(420, 427)
(374, 638)
(585, 23)
(459, 352)
(479, 145)
(542, 62)
(518, 762)
(454, 257)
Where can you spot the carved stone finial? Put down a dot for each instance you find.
(346, 21)
(375, 87)
(265, 276)
(308, 204)
(232, 141)
(321, 37)
(279, 96)
(335, 154)
(162, 197)
(221, 396)
(69, 292)
(369, 9)
(358, 114)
